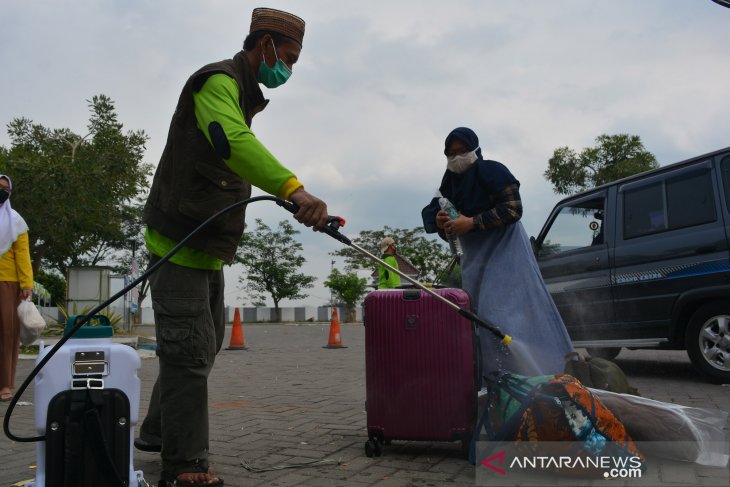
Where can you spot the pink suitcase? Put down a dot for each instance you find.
(420, 368)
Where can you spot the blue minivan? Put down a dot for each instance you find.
(644, 262)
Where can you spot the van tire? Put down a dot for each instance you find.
(606, 353)
(708, 340)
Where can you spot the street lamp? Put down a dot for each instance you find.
(332, 296)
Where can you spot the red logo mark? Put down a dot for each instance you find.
(496, 469)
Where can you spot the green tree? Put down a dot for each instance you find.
(347, 288)
(55, 284)
(614, 157)
(79, 194)
(429, 255)
(272, 259)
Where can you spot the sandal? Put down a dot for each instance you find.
(6, 396)
(169, 480)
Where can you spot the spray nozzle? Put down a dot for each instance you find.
(494, 329)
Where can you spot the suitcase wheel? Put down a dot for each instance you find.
(465, 447)
(372, 447)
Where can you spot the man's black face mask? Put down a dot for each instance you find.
(4, 195)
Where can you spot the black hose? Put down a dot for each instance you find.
(80, 322)
(331, 229)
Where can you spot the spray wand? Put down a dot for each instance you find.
(332, 229)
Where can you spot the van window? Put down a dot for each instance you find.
(576, 226)
(644, 211)
(677, 202)
(725, 166)
(691, 200)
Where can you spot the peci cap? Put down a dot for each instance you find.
(277, 21)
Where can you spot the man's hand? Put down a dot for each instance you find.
(312, 210)
(26, 293)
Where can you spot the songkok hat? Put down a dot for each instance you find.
(385, 243)
(277, 21)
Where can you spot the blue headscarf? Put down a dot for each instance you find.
(467, 136)
(469, 191)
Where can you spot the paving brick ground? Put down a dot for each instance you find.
(288, 400)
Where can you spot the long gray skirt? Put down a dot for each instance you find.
(500, 273)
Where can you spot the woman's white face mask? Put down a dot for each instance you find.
(462, 162)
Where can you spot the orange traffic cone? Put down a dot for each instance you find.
(335, 339)
(237, 342)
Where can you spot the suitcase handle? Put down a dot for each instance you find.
(412, 294)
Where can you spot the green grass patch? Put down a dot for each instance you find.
(29, 349)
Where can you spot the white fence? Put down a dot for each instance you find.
(247, 314)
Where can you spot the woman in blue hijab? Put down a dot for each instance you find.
(498, 268)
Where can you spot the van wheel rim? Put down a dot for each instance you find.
(715, 342)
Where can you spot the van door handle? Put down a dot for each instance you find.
(705, 250)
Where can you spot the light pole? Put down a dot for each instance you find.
(332, 296)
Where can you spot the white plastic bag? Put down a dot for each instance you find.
(31, 322)
(671, 430)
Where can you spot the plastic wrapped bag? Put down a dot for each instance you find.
(671, 430)
(31, 322)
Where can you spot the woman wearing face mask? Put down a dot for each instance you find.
(16, 284)
(498, 268)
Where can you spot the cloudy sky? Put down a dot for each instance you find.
(381, 83)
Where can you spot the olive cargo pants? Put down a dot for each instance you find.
(189, 324)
